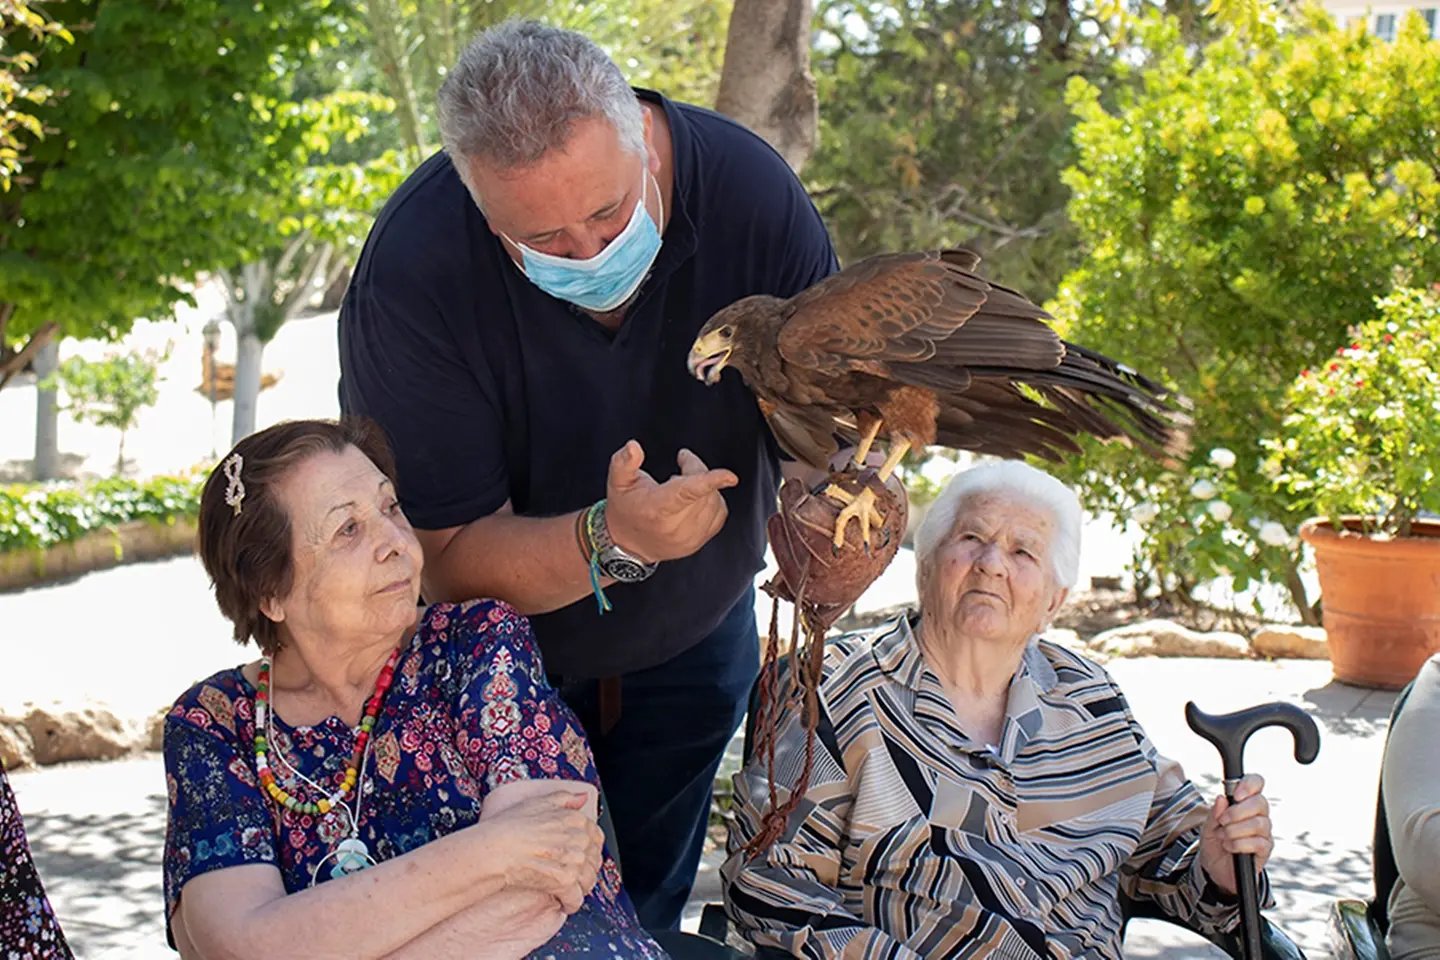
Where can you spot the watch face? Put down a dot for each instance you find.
(625, 570)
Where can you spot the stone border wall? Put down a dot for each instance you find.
(126, 543)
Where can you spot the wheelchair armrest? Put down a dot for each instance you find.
(692, 946)
(1274, 943)
(716, 925)
(1353, 934)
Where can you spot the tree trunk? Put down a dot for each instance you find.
(249, 351)
(766, 82)
(393, 49)
(245, 294)
(47, 415)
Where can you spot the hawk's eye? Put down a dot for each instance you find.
(727, 332)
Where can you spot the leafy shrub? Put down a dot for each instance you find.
(1243, 207)
(1361, 433)
(40, 517)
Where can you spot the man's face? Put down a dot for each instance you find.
(575, 200)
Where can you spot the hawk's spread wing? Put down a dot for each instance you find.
(919, 318)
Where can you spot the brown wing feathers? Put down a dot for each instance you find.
(925, 320)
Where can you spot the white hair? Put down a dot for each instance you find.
(519, 88)
(1012, 478)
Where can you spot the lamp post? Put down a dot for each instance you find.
(211, 333)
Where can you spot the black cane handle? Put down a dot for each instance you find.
(1229, 731)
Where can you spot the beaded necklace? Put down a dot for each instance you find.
(362, 738)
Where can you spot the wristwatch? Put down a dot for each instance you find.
(615, 561)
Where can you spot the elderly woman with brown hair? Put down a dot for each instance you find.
(976, 789)
(386, 780)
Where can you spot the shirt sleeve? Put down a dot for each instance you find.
(1165, 867)
(217, 816)
(513, 724)
(27, 922)
(1412, 788)
(807, 253)
(788, 897)
(401, 368)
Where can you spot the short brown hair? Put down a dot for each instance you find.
(249, 556)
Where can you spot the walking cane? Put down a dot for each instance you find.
(1228, 732)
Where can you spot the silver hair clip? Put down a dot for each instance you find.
(235, 490)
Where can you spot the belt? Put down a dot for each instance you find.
(607, 699)
(609, 696)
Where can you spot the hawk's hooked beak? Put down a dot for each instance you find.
(707, 358)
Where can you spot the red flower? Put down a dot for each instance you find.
(1354, 346)
(1331, 391)
(1359, 383)
(1389, 338)
(1305, 372)
(1334, 367)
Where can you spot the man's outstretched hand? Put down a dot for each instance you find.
(664, 521)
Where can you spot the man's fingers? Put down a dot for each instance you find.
(625, 465)
(690, 463)
(692, 466)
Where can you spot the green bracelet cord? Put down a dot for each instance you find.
(601, 600)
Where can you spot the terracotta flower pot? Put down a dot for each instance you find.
(1381, 601)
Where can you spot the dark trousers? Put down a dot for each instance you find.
(658, 763)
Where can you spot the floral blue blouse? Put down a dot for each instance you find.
(469, 710)
(28, 928)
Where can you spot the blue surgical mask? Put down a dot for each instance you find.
(609, 278)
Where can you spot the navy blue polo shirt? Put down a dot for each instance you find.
(491, 390)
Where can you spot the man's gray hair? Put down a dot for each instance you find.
(518, 90)
(1011, 478)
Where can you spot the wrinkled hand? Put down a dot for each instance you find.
(548, 844)
(1241, 828)
(664, 521)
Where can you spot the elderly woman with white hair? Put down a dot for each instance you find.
(976, 789)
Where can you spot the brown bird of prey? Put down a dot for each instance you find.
(921, 346)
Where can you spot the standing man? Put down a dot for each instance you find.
(518, 323)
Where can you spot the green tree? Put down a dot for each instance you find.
(307, 224)
(110, 392)
(944, 123)
(676, 46)
(148, 183)
(17, 94)
(1242, 207)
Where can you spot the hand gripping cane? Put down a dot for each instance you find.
(1228, 732)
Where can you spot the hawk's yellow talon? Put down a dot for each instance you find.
(860, 507)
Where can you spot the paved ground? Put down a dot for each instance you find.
(97, 829)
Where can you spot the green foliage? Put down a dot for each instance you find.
(148, 184)
(1241, 208)
(40, 517)
(109, 392)
(310, 216)
(675, 46)
(944, 123)
(17, 93)
(1361, 433)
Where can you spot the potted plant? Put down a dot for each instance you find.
(1360, 446)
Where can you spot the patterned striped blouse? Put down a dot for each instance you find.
(914, 841)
